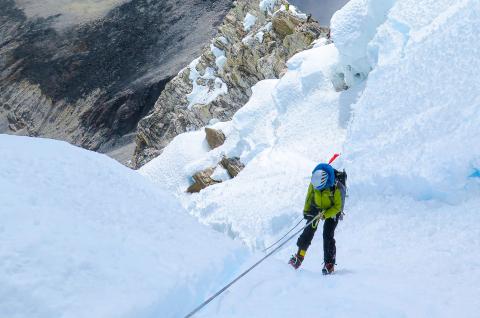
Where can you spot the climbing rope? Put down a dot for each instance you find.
(293, 228)
(206, 302)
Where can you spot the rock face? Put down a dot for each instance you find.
(205, 178)
(253, 43)
(202, 180)
(88, 77)
(233, 166)
(215, 138)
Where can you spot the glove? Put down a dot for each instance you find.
(308, 216)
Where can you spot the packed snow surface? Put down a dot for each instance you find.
(408, 128)
(83, 236)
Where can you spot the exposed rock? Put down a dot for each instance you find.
(233, 166)
(219, 82)
(89, 76)
(202, 180)
(285, 23)
(215, 138)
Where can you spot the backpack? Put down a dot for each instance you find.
(340, 184)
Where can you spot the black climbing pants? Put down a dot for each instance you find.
(329, 248)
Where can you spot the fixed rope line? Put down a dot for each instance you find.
(293, 228)
(206, 302)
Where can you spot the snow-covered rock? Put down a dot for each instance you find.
(249, 22)
(247, 49)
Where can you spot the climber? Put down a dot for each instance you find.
(325, 200)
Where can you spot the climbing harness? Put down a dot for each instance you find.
(206, 302)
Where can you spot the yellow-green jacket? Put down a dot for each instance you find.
(323, 201)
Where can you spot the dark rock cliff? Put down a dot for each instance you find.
(253, 43)
(90, 81)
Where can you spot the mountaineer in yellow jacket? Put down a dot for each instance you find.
(324, 199)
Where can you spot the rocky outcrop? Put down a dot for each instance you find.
(253, 43)
(215, 138)
(88, 76)
(205, 178)
(202, 180)
(227, 168)
(233, 166)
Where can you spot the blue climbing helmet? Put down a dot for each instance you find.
(319, 179)
(323, 176)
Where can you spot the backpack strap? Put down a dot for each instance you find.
(332, 193)
(312, 200)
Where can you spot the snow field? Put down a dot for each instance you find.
(397, 257)
(83, 236)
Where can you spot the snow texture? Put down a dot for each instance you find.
(83, 236)
(268, 6)
(220, 174)
(259, 36)
(249, 22)
(427, 116)
(202, 94)
(293, 10)
(220, 58)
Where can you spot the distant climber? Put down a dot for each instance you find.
(325, 200)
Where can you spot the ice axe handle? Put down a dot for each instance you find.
(335, 156)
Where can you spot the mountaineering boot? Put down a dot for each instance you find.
(297, 259)
(328, 268)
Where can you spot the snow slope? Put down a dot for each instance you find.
(408, 128)
(275, 135)
(83, 236)
(421, 104)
